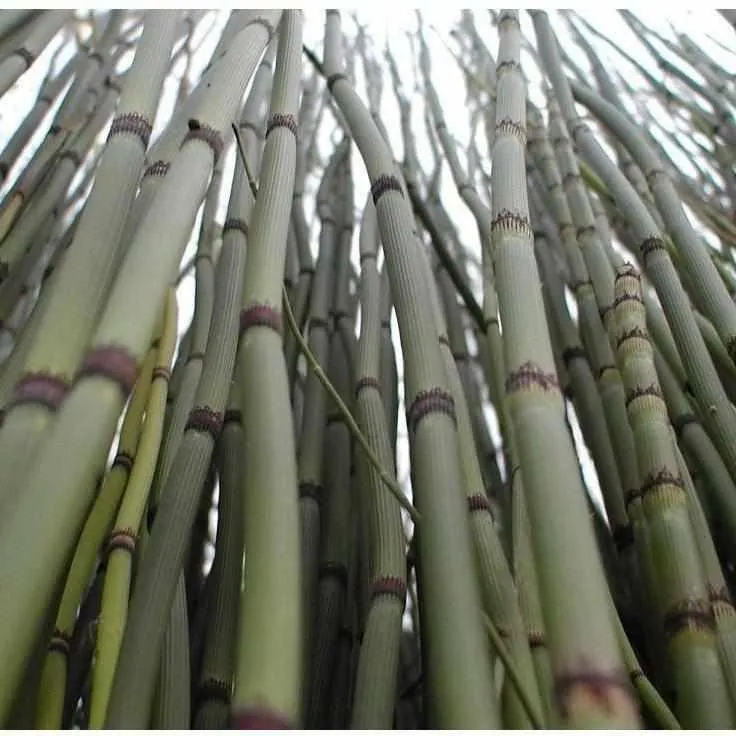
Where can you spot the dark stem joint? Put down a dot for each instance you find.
(232, 416)
(120, 539)
(601, 687)
(691, 614)
(133, 123)
(529, 374)
(60, 642)
(123, 460)
(310, 490)
(205, 420)
(434, 400)
(365, 382)
(206, 134)
(282, 120)
(334, 78)
(157, 168)
(113, 362)
(235, 223)
(334, 570)
(215, 690)
(385, 183)
(389, 586)
(574, 352)
(43, 389)
(260, 315)
(27, 56)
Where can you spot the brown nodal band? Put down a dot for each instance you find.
(157, 168)
(479, 502)
(691, 614)
(200, 132)
(365, 382)
(574, 352)
(60, 642)
(318, 323)
(634, 333)
(123, 460)
(232, 416)
(680, 422)
(212, 689)
(383, 184)
(602, 687)
(39, 388)
(260, 315)
(508, 221)
(507, 126)
(133, 123)
(536, 639)
(235, 223)
(530, 374)
(28, 56)
(718, 594)
(205, 420)
(389, 586)
(433, 401)
(334, 570)
(307, 489)
(650, 245)
(259, 719)
(113, 362)
(627, 270)
(120, 539)
(195, 355)
(627, 297)
(507, 65)
(654, 481)
(333, 79)
(282, 120)
(623, 536)
(161, 372)
(639, 392)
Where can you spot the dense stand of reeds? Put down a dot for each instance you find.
(331, 402)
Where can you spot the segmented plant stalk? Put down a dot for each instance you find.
(268, 668)
(80, 290)
(458, 665)
(681, 595)
(582, 641)
(86, 421)
(378, 662)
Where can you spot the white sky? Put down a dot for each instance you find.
(393, 26)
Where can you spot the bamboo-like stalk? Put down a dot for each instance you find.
(682, 599)
(111, 363)
(376, 677)
(121, 543)
(458, 668)
(82, 286)
(576, 634)
(40, 31)
(270, 629)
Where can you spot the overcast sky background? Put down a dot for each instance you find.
(705, 27)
